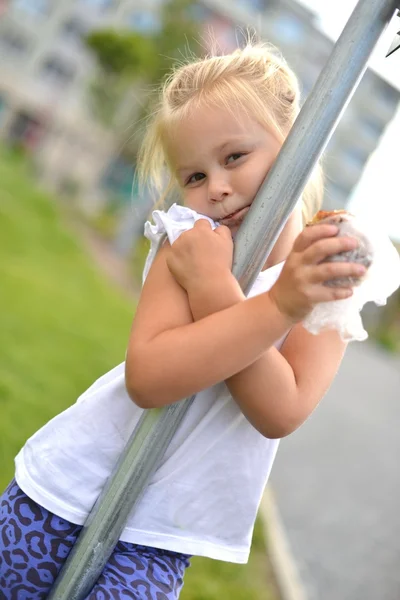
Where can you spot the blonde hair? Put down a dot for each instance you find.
(255, 78)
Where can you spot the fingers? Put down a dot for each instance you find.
(310, 235)
(337, 270)
(202, 224)
(327, 294)
(321, 249)
(224, 232)
(221, 230)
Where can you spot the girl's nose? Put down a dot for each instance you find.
(219, 189)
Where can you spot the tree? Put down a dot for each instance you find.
(121, 53)
(126, 58)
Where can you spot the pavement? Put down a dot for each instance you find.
(335, 488)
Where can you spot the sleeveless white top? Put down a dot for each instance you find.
(204, 496)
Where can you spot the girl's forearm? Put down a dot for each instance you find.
(206, 299)
(266, 390)
(268, 396)
(180, 362)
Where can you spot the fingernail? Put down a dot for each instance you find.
(360, 270)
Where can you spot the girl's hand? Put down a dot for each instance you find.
(301, 284)
(201, 254)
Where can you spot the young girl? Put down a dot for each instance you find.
(257, 373)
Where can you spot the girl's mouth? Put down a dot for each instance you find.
(236, 217)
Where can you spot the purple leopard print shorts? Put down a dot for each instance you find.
(34, 544)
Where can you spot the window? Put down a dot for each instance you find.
(354, 157)
(371, 126)
(12, 43)
(74, 29)
(388, 93)
(119, 178)
(220, 33)
(56, 70)
(26, 130)
(97, 4)
(288, 29)
(253, 5)
(306, 87)
(153, 4)
(35, 8)
(198, 12)
(145, 22)
(336, 195)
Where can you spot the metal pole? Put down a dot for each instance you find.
(256, 237)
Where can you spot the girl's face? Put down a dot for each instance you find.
(220, 160)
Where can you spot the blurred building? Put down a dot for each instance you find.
(45, 70)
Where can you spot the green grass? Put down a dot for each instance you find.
(62, 325)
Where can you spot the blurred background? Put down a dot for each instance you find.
(77, 80)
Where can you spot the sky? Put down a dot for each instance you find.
(380, 182)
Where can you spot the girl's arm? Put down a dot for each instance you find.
(171, 357)
(280, 389)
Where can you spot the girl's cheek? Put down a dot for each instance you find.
(253, 178)
(186, 195)
(192, 199)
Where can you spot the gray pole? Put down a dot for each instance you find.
(256, 237)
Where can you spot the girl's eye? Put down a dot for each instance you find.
(195, 177)
(234, 156)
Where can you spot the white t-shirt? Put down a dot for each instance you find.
(204, 496)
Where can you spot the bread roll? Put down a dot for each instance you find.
(363, 254)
